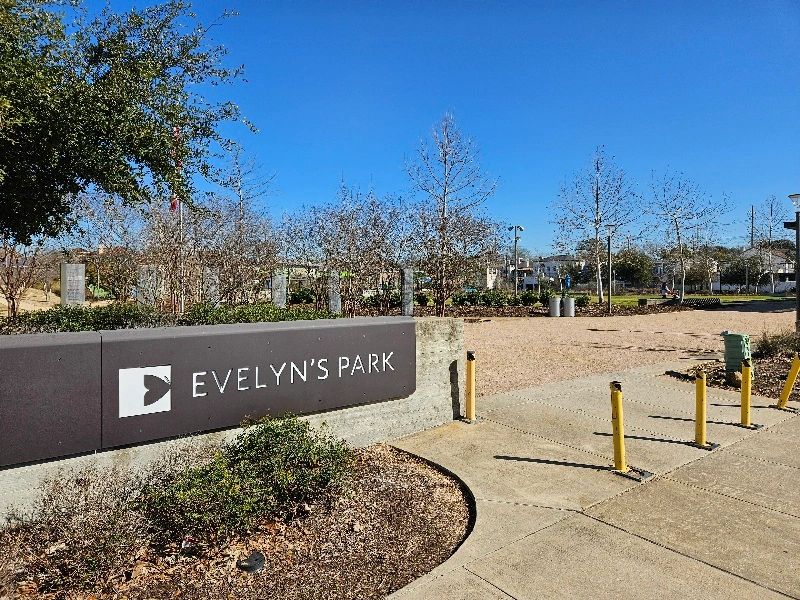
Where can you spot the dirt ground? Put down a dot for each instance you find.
(517, 353)
(32, 299)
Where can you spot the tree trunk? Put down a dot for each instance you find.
(599, 271)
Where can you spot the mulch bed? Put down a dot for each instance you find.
(768, 378)
(400, 519)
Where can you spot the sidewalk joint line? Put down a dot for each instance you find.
(750, 502)
(552, 441)
(529, 505)
(501, 590)
(766, 460)
(689, 556)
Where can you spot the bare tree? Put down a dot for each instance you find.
(598, 200)
(19, 269)
(680, 208)
(452, 232)
(769, 220)
(357, 236)
(113, 233)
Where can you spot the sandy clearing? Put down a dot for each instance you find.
(516, 353)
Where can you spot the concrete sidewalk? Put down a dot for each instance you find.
(553, 521)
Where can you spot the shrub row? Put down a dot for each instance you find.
(259, 312)
(132, 316)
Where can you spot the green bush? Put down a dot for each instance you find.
(392, 299)
(259, 312)
(528, 298)
(422, 298)
(472, 298)
(582, 301)
(78, 318)
(494, 298)
(302, 296)
(265, 473)
(545, 295)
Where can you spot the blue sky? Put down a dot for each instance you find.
(346, 90)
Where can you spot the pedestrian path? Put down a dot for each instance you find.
(554, 521)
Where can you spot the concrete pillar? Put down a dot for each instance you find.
(334, 293)
(73, 284)
(211, 286)
(407, 295)
(148, 287)
(279, 289)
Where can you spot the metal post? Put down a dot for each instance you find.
(469, 409)
(618, 428)
(700, 410)
(796, 267)
(516, 263)
(516, 229)
(609, 273)
(787, 387)
(747, 386)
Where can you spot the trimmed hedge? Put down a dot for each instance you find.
(136, 316)
(259, 312)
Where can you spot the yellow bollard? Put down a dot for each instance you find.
(787, 387)
(700, 410)
(617, 423)
(747, 387)
(470, 391)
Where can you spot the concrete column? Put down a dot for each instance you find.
(407, 276)
(148, 286)
(334, 293)
(73, 284)
(211, 286)
(279, 289)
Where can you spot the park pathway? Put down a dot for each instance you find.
(553, 521)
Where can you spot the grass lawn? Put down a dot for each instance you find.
(633, 299)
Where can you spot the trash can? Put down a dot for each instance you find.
(568, 308)
(737, 348)
(555, 306)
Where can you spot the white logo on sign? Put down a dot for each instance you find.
(144, 390)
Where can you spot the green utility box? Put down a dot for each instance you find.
(737, 348)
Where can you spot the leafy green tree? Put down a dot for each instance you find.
(634, 266)
(743, 270)
(111, 102)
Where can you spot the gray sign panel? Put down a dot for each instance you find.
(160, 383)
(73, 283)
(49, 397)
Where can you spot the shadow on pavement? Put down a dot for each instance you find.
(734, 405)
(648, 439)
(692, 420)
(762, 306)
(559, 463)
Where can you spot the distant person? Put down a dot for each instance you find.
(666, 292)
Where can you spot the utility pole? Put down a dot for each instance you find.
(752, 243)
(795, 198)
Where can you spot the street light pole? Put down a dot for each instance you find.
(516, 229)
(795, 198)
(609, 271)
